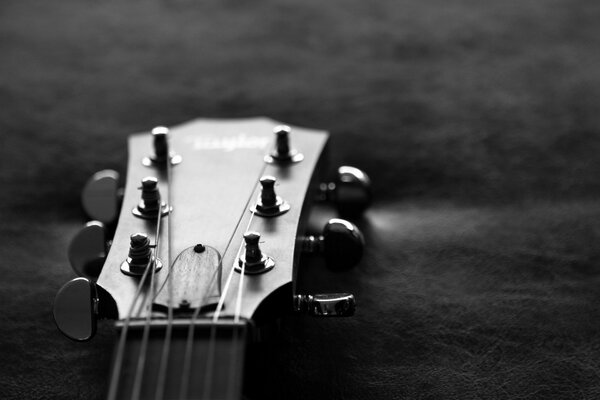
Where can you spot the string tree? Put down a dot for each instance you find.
(150, 203)
(162, 153)
(283, 153)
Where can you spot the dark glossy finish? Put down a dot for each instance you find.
(88, 249)
(351, 191)
(341, 244)
(100, 196)
(76, 309)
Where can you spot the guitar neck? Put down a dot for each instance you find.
(179, 360)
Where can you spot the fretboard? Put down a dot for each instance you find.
(205, 363)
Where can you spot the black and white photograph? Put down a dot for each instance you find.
(299, 199)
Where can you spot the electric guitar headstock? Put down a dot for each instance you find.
(201, 247)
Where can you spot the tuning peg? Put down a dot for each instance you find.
(325, 305)
(88, 250)
(341, 244)
(101, 196)
(76, 309)
(350, 192)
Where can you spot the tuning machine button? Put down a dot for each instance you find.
(350, 192)
(76, 309)
(88, 250)
(283, 152)
(325, 305)
(101, 196)
(160, 143)
(341, 243)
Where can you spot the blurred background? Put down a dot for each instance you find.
(478, 122)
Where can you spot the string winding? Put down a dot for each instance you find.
(164, 357)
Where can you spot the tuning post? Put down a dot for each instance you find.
(160, 136)
(140, 256)
(341, 243)
(151, 203)
(350, 192)
(268, 203)
(283, 152)
(325, 305)
(254, 261)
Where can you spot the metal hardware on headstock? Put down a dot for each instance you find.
(254, 261)
(151, 203)
(341, 243)
(88, 250)
(160, 137)
(198, 286)
(76, 309)
(76, 305)
(325, 305)
(283, 153)
(268, 203)
(101, 196)
(140, 256)
(350, 192)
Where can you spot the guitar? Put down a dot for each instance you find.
(198, 254)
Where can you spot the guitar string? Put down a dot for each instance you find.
(215, 320)
(216, 315)
(162, 369)
(189, 342)
(233, 356)
(236, 319)
(112, 393)
(139, 372)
